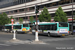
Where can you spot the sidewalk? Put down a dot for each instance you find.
(5, 32)
(70, 36)
(29, 33)
(1, 32)
(17, 41)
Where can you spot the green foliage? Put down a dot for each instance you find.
(74, 16)
(60, 16)
(4, 19)
(45, 16)
(31, 19)
(11, 17)
(21, 20)
(57, 18)
(73, 13)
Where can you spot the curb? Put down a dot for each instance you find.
(17, 41)
(38, 42)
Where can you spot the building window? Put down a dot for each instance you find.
(31, 8)
(26, 18)
(26, 9)
(11, 11)
(15, 11)
(7, 12)
(21, 10)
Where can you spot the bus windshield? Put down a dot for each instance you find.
(25, 25)
(17, 27)
(61, 24)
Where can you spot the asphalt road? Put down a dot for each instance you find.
(52, 43)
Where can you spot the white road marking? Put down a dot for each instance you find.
(4, 45)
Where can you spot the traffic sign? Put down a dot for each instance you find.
(12, 19)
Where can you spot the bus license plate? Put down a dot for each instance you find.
(63, 34)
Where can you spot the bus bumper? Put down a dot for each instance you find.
(59, 34)
(63, 34)
(22, 31)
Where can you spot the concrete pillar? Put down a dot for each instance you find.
(24, 10)
(28, 18)
(28, 9)
(13, 12)
(17, 11)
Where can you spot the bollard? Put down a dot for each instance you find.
(14, 35)
(36, 36)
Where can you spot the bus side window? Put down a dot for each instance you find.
(25, 25)
(41, 27)
(45, 27)
(50, 27)
(54, 27)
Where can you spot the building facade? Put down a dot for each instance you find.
(26, 8)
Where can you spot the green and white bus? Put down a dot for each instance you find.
(52, 28)
(17, 27)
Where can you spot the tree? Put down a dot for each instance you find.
(31, 19)
(45, 16)
(74, 15)
(4, 19)
(60, 16)
(74, 18)
(57, 18)
(21, 20)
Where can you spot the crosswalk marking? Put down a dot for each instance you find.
(4, 45)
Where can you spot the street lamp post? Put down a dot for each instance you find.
(36, 33)
(72, 17)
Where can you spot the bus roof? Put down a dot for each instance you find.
(11, 24)
(46, 22)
